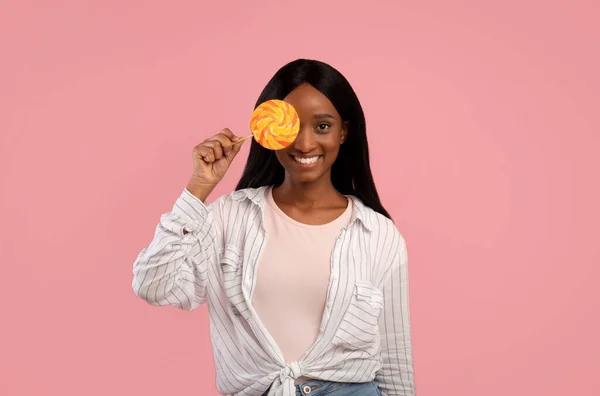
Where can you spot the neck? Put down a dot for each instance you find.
(307, 194)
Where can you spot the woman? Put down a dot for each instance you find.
(304, 273)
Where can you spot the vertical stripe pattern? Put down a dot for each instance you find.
(209, 254)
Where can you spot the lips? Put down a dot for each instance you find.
(306, 161)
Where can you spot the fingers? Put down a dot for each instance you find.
(226, 139)
(205, 153)
(218, 146)
(230, 135)
(236, 148)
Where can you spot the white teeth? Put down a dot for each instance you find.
(307, 161)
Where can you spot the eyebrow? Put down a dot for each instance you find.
(323, 115)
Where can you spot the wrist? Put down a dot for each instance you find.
(200, 189)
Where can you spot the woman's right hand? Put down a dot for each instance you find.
(211, 161)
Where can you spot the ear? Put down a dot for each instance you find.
(344, 132)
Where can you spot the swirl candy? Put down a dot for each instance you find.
(275, 124)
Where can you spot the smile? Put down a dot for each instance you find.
(307, 161)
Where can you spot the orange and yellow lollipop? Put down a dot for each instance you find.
(274, 124)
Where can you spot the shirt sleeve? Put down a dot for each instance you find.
(173, 269)
(396, 377)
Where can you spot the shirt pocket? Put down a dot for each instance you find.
(359, 328)
(232, 268)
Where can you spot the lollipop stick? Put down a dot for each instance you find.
(242, 139)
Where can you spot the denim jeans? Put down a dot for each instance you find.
(322, 388)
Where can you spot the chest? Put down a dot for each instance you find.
(348, 277)
(337, 259)
(295, 262)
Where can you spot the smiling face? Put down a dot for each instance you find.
(311, 156)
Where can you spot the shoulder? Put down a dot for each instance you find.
(391, 238)
(237, 210)
(239, 199)
(243, 195)
(389, 245)
(384, 239)
(379, 226)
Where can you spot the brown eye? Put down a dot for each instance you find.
(323, 127)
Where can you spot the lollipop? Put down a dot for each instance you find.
(274, 124)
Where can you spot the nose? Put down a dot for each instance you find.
(305, 141)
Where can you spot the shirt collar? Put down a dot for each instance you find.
(257, 197)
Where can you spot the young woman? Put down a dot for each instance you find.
(304, 273)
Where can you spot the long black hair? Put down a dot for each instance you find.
(351, 172)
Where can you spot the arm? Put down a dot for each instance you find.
(396, 376)
(173, 269)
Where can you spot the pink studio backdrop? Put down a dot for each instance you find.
(484, 127)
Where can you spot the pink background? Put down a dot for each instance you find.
(484, 125)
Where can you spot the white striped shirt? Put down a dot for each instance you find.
(365, 331)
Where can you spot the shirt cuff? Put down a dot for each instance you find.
(192, 211)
